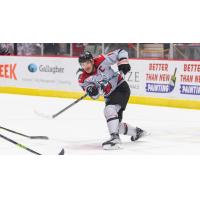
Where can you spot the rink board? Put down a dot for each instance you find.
(153, 82)
(133, 99)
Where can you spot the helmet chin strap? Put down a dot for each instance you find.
(92, 69)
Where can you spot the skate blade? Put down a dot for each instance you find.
(112, 147)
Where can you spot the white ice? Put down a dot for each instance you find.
(82, 129)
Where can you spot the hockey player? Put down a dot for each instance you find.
(98, 78)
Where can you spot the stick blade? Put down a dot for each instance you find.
(39, 137)
(43, 115)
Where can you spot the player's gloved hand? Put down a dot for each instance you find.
(102, 83)
(92, 90)
(124, 68)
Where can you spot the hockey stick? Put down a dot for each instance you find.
(27, 136)
(26, 148)
(61, 111)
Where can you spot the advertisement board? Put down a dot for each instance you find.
(165, 79)
(153, 82)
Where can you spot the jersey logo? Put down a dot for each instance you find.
(100, 69)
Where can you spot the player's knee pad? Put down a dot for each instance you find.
(111, 112)
(111, 115)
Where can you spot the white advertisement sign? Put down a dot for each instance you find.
(39, 73)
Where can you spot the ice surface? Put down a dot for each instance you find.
(82, 129)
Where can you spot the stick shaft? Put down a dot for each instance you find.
(6, 129)
(69, 106)
(19, 145)
(27, 136)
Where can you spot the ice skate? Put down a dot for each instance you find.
(113, 144)
(139, 133)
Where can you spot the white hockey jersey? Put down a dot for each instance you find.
(103, 74)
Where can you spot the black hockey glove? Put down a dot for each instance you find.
(124, 68)
(92, 91)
